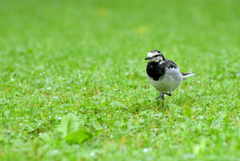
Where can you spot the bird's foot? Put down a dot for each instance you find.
(162, 95)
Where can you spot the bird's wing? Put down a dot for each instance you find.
(170, 64)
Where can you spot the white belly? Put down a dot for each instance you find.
(170, 81)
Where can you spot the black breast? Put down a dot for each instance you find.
(157, 70)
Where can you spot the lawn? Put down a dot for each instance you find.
(73, 83)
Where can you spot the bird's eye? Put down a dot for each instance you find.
(157, 55)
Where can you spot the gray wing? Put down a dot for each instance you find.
(170, 64)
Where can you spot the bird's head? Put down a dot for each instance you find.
(155, 56)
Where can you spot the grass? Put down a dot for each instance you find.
(73, 83)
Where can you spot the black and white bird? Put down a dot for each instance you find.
(163, 74)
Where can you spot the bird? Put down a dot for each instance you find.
(164, 74)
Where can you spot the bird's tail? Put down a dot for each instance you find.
(188, 75)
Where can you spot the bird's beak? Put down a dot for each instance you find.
(147, 58)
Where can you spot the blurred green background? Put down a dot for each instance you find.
(86, 57)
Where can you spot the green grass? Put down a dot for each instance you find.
(85, 59)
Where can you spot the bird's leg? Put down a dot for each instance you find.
(169, 94)
(162, 96)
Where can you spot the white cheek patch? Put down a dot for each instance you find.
(151, 54)
(156, 59)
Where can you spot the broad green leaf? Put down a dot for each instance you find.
(45, 137)
(78, 137)
(68, 125)
(222, 116)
